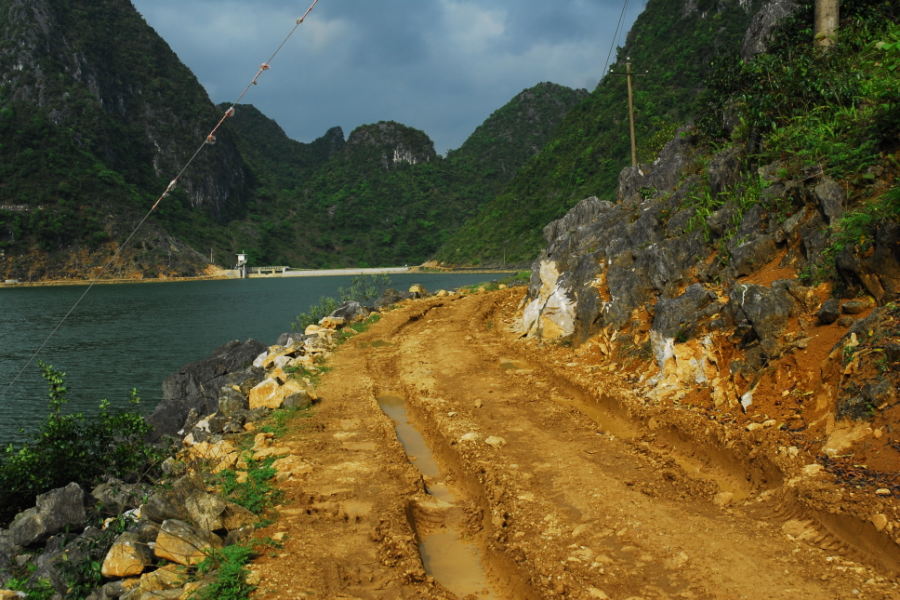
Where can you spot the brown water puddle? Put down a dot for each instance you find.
(453, 562)
(376, 344)
(457, 561)
(510, 365)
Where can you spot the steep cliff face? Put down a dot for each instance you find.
(97, 115)
(738, 277)
(100, 76)
(393, 143)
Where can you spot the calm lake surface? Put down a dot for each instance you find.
(135, 335)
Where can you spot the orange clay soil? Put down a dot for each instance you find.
(562, 479)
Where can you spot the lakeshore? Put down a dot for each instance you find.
(227, 275)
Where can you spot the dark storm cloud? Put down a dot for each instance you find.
(439, 65)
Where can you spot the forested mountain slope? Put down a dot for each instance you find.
(385, 197)
(97, 114)
(674, 41)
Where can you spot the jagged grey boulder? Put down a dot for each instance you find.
(831, 197)
(205, 511)
(128, 557)
(392, 297)
(351, 312)
(57, 510)
(678, 316)
(763, 25)
(766, 309)
(171, 503)
(231, 401)
(197, 385)
(184, 544)
(829, 312)
(753, 255)
(119, 496)
(725, 169)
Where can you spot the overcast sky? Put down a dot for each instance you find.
(442, 66)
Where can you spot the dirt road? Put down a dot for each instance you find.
(538, 475)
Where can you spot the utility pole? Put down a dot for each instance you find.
(628, 74)
(828, 15)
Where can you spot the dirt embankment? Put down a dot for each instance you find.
(561, 478)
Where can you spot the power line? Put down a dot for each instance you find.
(615, 36)
(210, 139)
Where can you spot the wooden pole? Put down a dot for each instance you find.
(827, 21)
(631, 116)
(628, 74)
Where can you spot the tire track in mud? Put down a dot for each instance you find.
(563, 507)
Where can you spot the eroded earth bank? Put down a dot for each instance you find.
(559, 476)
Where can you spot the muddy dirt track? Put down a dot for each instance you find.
(535, 477)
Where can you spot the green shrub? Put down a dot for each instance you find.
(364, 289)
(70, 448)
(316, 313)
(230, 568)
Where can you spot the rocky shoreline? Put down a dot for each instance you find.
(215, 416)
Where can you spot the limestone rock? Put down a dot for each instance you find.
(854, 307)
(170, 503)
(753, 255)
(831, 197)
(232, 400)
(239, 536)
(205, 510)
(267, 394)
(767, 310)
(58, 510)
(128, 557)
(237, 517)
(332, 322)
(830, 311)
(160, 580)
(392, 297)
(351, 312)
(723, 499)
(181, 543)
(197, 385)
(880, 521)
(495, 442)
(763, 26)
(418, 291)
(296, 395)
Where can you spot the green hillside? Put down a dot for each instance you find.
(385, 197)
(673, 40)
(96, 115)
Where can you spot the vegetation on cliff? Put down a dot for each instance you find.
(385, 197)
(674, 42)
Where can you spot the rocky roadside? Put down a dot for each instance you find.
(137, 541)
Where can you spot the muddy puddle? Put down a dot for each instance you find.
(376, 344)
(455, 563)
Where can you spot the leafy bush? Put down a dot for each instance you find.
(255, 493)
(230, 568)
(316, 313)
(364, 289)
(70, 448)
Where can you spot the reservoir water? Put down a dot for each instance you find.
(135, 335)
